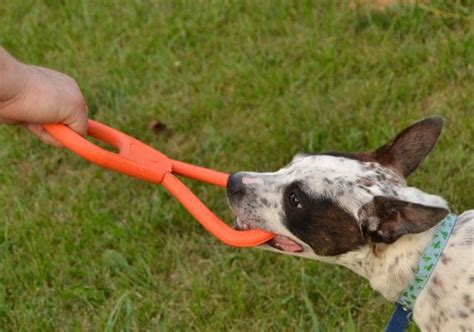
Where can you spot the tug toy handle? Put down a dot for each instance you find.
(141, 161)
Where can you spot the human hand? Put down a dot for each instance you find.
(32, 95)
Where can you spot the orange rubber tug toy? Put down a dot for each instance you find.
(141, 161)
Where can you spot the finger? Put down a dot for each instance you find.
(78, 118)
(43, 135)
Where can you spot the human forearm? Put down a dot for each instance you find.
(12, 77)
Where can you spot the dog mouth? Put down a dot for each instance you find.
(279, 242)
(284, 243)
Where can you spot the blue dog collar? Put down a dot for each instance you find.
(428, 259)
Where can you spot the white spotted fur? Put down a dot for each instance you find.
(384, 275)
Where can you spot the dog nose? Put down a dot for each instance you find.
(235, 186)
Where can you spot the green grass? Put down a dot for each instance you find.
(241, 86)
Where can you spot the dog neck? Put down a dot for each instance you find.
(389, 268)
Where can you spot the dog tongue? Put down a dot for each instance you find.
(286, 244)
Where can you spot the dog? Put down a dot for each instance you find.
(356, 210)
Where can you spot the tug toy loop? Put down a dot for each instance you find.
(139, 160)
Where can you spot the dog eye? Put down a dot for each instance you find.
(294, 200)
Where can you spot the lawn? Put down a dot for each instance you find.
(239, 85)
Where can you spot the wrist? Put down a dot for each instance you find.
(12, 78)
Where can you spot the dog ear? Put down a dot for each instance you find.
(387, 219)
(406, 151)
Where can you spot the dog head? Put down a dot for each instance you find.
(329, 204)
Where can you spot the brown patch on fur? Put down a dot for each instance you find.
(463, 315)
(365, 182)
(326, 227)
(433, 295)
(445, 259)
(378, 248)
(467, 300)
